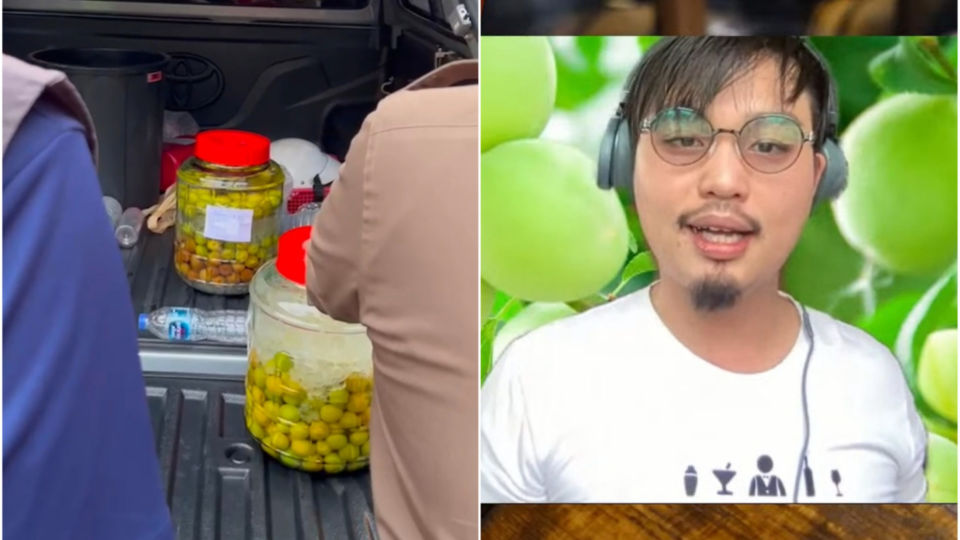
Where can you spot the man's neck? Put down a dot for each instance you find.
(753, 335)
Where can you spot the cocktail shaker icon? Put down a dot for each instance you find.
(690, 481)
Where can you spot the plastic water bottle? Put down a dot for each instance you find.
(187, 324)
(114, 210)
(128, 228)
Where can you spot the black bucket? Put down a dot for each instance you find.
(125, 93)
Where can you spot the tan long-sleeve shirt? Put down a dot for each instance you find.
(394, 247)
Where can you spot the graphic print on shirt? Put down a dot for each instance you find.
(690, 481)
(724, 476)
(808, 478)
(765, 484)
(835, 476)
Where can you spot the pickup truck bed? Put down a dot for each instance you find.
(219, 484)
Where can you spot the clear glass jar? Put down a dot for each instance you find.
(309, 385)
(228, 197)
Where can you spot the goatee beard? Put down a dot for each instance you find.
(709, 295)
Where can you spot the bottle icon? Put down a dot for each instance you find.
(690, 481)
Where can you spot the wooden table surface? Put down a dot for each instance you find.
(720, 521)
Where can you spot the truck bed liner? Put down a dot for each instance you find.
(220, 485)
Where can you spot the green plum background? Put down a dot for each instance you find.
(882, 257)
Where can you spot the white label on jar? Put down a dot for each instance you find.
(228, 224)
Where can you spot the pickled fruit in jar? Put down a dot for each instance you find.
(228, 199)
(313, 432)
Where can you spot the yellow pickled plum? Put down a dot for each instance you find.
(270, 367)
(312, 466)
(284, 362)
(274, 387)
(339, 396)
(271, 408)
(300, 431)
(358, 403)
(293, 393)
(330, 414)
(290, 413)
(356, 383)
(547, 233)
(900, 205)
(337, 441)
(349, 452)
(323, 448)
(256, 430)
(259, 377)
(302, 448)
(279, 441)
(260, 416)
(359, 437)
(319, 431)
(349, 420)
(519, 77)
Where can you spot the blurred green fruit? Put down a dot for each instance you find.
(885, 322)
(518, 88)
(487, 295)
(941, 470)
(848, 57)
(533, 316)
(900, 208)
(547, 233)
(821, 268)
(937, 372)
(580, 70)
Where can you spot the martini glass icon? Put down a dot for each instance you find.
(724, 476)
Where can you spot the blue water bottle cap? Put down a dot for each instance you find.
(144, 320)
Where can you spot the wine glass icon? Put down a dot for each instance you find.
(724, 476)
(835, 476)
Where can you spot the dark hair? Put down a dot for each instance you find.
(691, 71)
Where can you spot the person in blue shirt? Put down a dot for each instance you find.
(79, 457)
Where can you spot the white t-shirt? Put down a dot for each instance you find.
(607, 406)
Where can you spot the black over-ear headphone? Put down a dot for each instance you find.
(617, 148)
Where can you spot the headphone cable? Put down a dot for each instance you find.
(802, 462)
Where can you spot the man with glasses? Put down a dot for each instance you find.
(685, 390)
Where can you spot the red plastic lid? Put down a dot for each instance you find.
(233, 148)
(291, 256)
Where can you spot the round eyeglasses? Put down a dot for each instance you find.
(769, 143)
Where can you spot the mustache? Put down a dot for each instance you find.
(683, 220)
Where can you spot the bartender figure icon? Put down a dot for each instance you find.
(765, 484)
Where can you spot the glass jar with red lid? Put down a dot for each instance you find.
(228, 196)
(309, 385)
